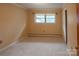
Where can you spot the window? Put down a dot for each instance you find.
(40, 18)
(50, 18)
(45, 18)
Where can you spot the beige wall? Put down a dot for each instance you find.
(24, 34)
(71, 23)
(12, 23)
(35, 28)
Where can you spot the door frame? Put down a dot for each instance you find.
(66, 26)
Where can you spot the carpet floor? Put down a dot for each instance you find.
(37, 46)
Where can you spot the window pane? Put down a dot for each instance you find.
(40, 18)
(40, 15)
(50, 18)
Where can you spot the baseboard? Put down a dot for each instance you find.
(44, 35)
(72, 52)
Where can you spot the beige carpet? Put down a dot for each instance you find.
(37, 46)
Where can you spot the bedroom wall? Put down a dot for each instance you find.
(55, 28)
(12, 23)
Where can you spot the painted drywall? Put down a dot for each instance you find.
(55, 28)
(24, 34)
(71, 24)
(12, 23)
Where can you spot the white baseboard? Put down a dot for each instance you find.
(72, 52)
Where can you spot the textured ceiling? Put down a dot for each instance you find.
(41, 5)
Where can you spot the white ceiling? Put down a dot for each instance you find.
(41, 5)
